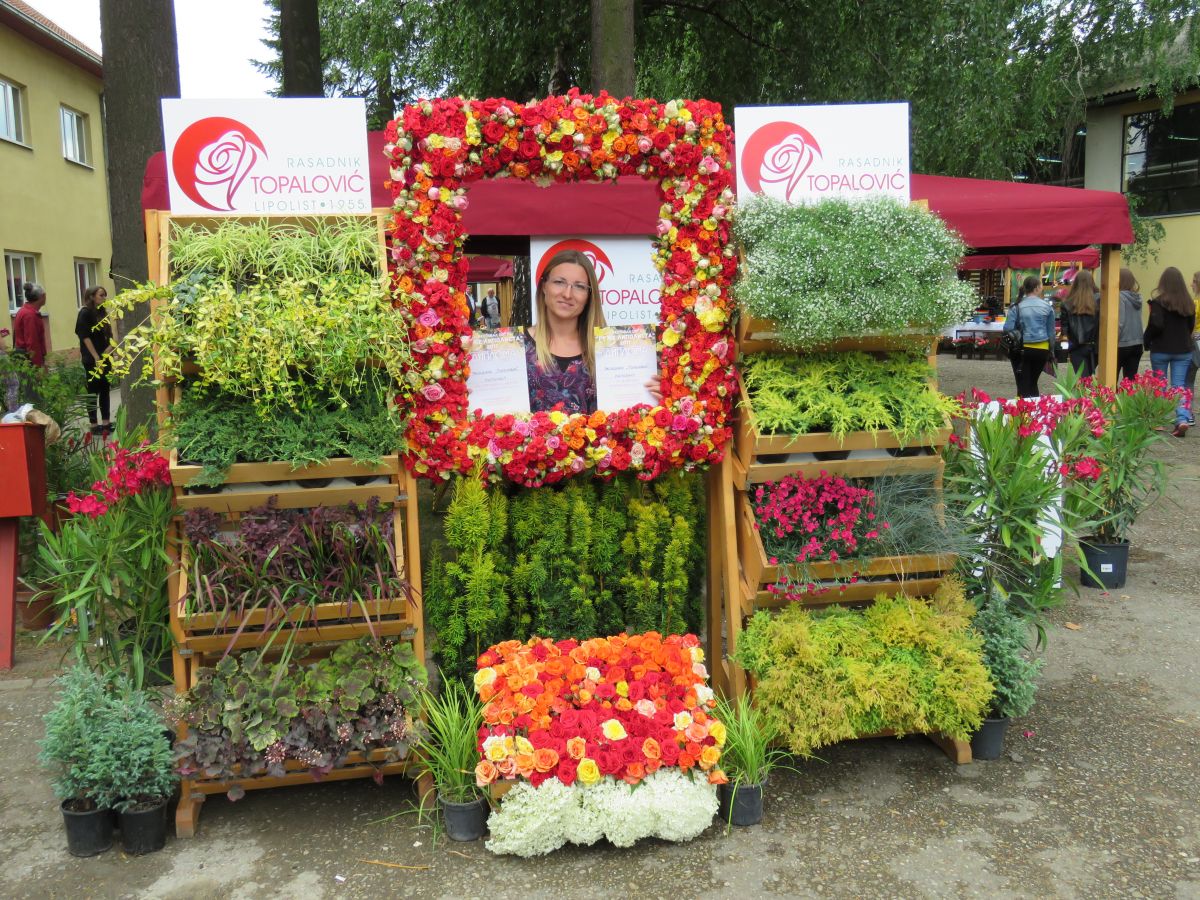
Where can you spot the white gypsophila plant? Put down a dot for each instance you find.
(667, 804)
(843, 269)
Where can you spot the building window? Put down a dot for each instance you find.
(12, 112)
(18, 269)
(75, 136)
(1160, 161)
(87, 274)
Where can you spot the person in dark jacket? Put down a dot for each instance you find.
(95, 337)
(1168, 337)
(1129, 328)
(1081, 323)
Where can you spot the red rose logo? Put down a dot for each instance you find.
(778, 153)
(599, 259)
(212, 158)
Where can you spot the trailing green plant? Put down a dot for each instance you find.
(582, 559)
(901, 664)
(449, 749)
(1006, 655)
(248, 716)
(273, 343)
(838, 268)
(750, 753)
(844, 392)
(215, 431)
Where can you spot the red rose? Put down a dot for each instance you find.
(566, 770)
(610, 762)
(528, 149)
(493, 132)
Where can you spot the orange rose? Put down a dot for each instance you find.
(686, 761)
(709, 757)
(695, 733)
(525, 765)
(485, 773)
(576, 747)
(716, 776)
(634, 772)
(545, 758)
(651, 749)
(520, 170)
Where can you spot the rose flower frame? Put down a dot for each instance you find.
(439, 147)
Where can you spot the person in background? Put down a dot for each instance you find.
(1168, 337)
(1189, 380)
(1081, 323)
(491, 309)
(29, 331)
(95, 336)
(1034, 315)
(1129, 329)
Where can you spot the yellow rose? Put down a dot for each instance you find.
(697, 654)
(496, 752)
(484, 677)
(709, 757)
(588, 772)
(523, 745)
(682, 720)
(613, 730)
(717, 732)
(623, 688)
(670, 337)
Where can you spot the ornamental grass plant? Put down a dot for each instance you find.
(750, 753)
(840, 393)
(450, 750)
(844, 269)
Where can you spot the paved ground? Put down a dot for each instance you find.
(1096, 797)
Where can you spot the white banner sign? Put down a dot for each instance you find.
(499, 382)
(267, 157)
(803, 154)
(625, 361)
(629, 284)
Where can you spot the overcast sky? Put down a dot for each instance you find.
(217, 40)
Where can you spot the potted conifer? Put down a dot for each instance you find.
(1014, 675)
(136, 750)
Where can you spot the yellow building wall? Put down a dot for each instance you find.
(1180, 247)
(51, 207)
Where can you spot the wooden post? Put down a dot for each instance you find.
(1110, 312)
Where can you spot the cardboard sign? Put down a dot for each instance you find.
(267, 157)
(498, 382)
(630, 286)
(804, 154)
(625, 359)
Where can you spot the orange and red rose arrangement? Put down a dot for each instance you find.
(618, 707)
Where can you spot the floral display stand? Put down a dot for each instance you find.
(202, 639)
(740, 570)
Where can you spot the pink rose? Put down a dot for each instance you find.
(429, 318)
(433, 392)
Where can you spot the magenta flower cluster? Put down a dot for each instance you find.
(815, 519)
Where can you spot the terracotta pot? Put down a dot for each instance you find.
(35, 614)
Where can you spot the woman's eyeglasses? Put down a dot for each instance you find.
(562, 284)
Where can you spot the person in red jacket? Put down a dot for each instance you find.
(29, 332)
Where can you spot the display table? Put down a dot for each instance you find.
(976, 338)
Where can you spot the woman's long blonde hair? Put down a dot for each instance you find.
(1082, 299)
(592, 316)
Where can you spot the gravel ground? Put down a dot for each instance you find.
(1095, 797)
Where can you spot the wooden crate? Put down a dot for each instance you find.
(916, 575)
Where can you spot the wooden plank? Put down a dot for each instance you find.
(222, 643)
(1110, 306)
(727, 537)
(266, 782)
(761, 336)
(713, 579)
(251, 473)
(861, 592)
(321, 612)
(285, 498)
(846, 468)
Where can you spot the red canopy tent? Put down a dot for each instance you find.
(1002, 222)
(488, 268)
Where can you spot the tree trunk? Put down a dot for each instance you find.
(141, 64)
(522, 303)
(613, 47)
(300, 48)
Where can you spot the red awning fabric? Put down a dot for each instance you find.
(1089, 256)
(988, 214)
(488, 268)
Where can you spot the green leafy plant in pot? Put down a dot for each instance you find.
(136, 750)
(1014, 675)
(450, 753)
(748, 758)
(82, 781)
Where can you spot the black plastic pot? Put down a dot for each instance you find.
(988, 741)
(88, 833)
(831, 455)
(740, 804)
(144, 830)
(1108, 562)
(465, 821)
(314, 482)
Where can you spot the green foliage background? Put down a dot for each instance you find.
(586, 559)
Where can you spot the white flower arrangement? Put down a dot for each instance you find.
(667, 804)
(845, 269)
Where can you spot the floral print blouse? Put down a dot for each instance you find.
(568, 382)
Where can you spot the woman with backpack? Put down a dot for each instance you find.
(1032, 317)
(1081, 323)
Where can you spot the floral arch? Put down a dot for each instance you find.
(437, 148)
